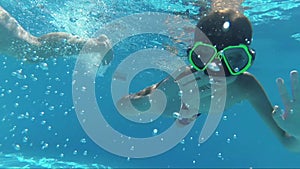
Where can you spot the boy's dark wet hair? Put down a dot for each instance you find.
(225, 28)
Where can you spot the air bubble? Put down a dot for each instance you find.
(19, 74)
(217, 133)
(176, 115)
(46, 145)
(211, 81)
(16, 105)
(9, 91)
(226, 26)
(17, 147)
(83, 88)
(83, 140)
(27, 115)
(180, 93)
(21, 116)
(155, 131)
(56, 50)
(51, 108)
(47, 92)
(24, 87)
(25, 139)
(182, 141)
(43, 66)
(25, 131)
(35, 58)
(214, 67)
(32, 118)
(236, 69)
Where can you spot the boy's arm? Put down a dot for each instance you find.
(258, 98)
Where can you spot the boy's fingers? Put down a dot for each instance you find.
(295, 85)
(283, 93)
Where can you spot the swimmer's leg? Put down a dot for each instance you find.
(21, 44)
(16, 37)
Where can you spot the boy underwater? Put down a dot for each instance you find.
(226, 53)
(230, 33)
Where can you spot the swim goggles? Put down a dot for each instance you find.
(237, 59)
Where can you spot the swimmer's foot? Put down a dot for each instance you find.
(101, 45)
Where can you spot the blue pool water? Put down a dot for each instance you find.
(38, 122)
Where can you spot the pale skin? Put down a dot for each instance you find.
(285, 123)
(17, 42)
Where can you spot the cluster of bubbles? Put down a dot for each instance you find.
(45, 145)
(22, 121)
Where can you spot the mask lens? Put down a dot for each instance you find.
(237, 59)
(202, 55)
